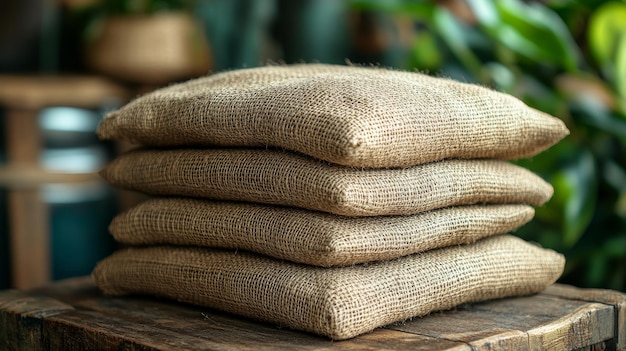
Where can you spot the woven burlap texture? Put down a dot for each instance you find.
(310, 237)
(337, 302)
(354, 116)
(283, 178)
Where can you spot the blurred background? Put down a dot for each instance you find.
(65, 63)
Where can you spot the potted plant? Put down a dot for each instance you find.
(147, 41)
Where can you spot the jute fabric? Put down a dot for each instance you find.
(354, 116)
(283, 178)
(337, 302)
(309, 237)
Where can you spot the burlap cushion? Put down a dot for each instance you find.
(354, 116)
(283, 178)
(310, 237)
(337, 302)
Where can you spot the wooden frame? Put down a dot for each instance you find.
(23, 97)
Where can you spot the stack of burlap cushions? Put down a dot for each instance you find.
(331, 199)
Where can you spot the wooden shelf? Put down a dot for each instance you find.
(13, 177)
(24, 97)
(37, 91)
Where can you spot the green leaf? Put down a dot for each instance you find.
(620, 205)
(575, 190)
(550, 165)
(606, 27)
(614, 175)
(580, 182)
(596, 115)
(486, 12)
(537, 94)
(417, 8)
(615, 246)
(454, 35)
(620, 69)
(596, 269)
(531, 30)
(502, 76)
(535, 29)
(424, 54)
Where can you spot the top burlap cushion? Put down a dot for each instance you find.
(288, 179)
(337, 302)
(353, 116)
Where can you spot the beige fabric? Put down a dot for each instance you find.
(282, 178)
(337, 302)
(310, 237)
(354, 116)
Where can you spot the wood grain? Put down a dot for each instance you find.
(73, 315)
(124, 322)
(21, 319)
(32, 177)
(28, 215)
(615, 298)
(37, 91)
(537, 322)
(80, 330)
(589, 324)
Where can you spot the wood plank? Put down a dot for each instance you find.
(223, 328)
(69, 289)
(37, 91)
(615, 298)
(535, 322)
(82, 329)
(538, 322)
(586, 323)
(29, 238)
(32, 177)
(534, 305)
(590, 324)
(506, 340)
(200, 325)
(21, 319)
(481, 330)
(573, 324)
(28, 215)
(386, 339)
(22, 137)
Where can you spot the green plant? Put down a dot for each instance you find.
(89, 18)
(564, 57)
(126, 7)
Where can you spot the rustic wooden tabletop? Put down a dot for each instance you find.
(73, 315)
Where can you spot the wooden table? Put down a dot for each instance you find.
(73, 315)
